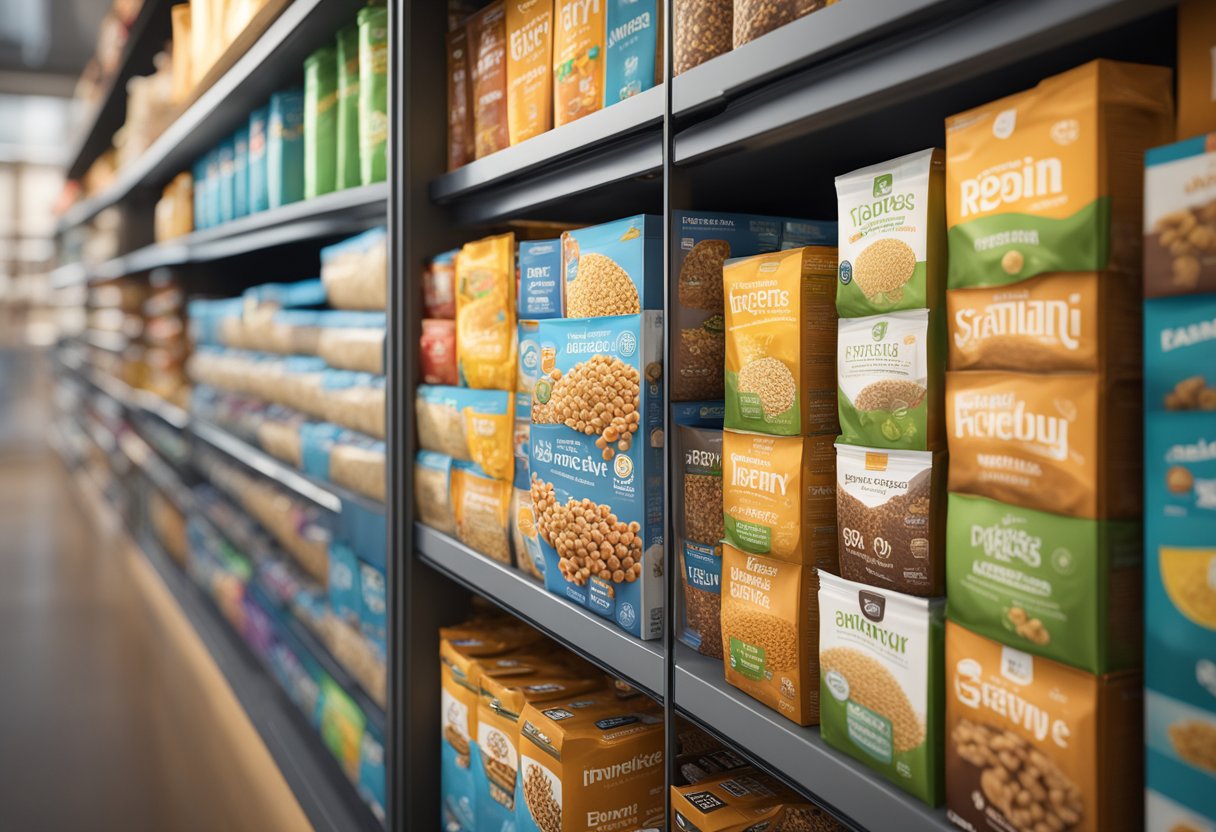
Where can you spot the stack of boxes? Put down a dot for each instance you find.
(1180, 449)
(1042, 403)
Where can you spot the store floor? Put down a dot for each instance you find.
(112, 716)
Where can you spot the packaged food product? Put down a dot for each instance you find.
(259, 193)
(432, 488)
(240, 175)
(632, 54)
(227, 187)
(524, 541)
(347, 173)
(355, 344)
(285, 148)
(540, 279)
(373, 93)
(529, 58)
(354, 272)
(699, 501)
(892, 243)
(466, 424)
(744, 799)
(1196, 104)
(613, 269)
(880, 670)
(779, 496)
(578, 59)
(754, 18)
(281, 439)
(359, 466)
(353, 400)
(704, 30)
(1031, 741)
(320, 122)
(1050, 323)
(594, 764)
(890, 513)
(1064, 588)
(701, 766)
(437, 352)
(460, 94)
(888, 369)
(1180, 218)
(482, 506)
(1180, 353)
(1046, 180)
(1063, 443)
(439, 286)
(485, 313)
(780, 342)
(770, 632)
(596, 462)
(495, 760)
(488, 45)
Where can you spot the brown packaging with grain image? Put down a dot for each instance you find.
(593, 764)
(1067, 443)
(746, 800)
(704, 29)
(460, 95)
(529, 68)
(700, 527)
(1032, 744)
(770, 632)
(488, 52)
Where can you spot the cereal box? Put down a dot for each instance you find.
(1031, 741)
(540, 279)
(578, 59)
(613, 269)
(591, 764)
(632, 63)
(770, 632)
(1062, 443)
(1065, 588)
(746, 799)
(1180, 218)
(1196, 80)
(529, 68)
(888, 374)
(880, 670)
(779, 496)
(780, 342)
(1043, 181)
(892, 250)
(596, 462)
(1180, 353)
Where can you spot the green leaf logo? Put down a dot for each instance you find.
(879, 331)
(883, 185)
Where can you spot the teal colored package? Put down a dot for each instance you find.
(259, 194)
(617, 464)
(199, 193)
(373, 604)
(540, 279)
(240, 172)
(285, 148)
(298, 295)
(613, 269)
(632, 48)
(227, 173)
(372, 771)
(211, 189)
(343, 584)
(1180, 353)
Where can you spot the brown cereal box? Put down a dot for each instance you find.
(529, 68)
(743, 801)
(1033, 742)
(460, 92)
(1066, 443)
(578, 59)
(488, 45)
(770, 632)
(1196, 79)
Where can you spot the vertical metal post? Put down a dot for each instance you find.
(670, 458)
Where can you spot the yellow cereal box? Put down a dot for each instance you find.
(578, 59)
(529, 73)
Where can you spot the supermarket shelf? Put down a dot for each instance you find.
(147, 36)
(597, 639)
(275, 61)
(133, 399)
(618, 143)
(341, 212)
(325, 795)
(795, 754)
(337, 672)
(949, 52)
(157, 470)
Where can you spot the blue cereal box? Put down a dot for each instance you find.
(596, 456)
(259, 195)
(540, 279)
(1180, 353)
(285, 148)
(613, 269)
(632, 49)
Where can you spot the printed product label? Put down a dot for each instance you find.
(747, 659)
(883, 377)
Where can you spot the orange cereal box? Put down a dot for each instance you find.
(529, 75)
(578, 59)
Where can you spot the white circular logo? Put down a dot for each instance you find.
(838, 686)
(623, 465)
(1003, 124)
(1066, 131)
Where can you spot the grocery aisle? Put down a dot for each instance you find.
(104, 689)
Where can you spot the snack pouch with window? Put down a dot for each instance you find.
(485, 313)
(529, 68)
(578, 59)
(780, 342)
(892, 247)
(880, 670)
(1051, 179)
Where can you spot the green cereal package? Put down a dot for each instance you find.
(880, 675)
(1065, 588)
(613, 269)
(892, 235)
(889, 381)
